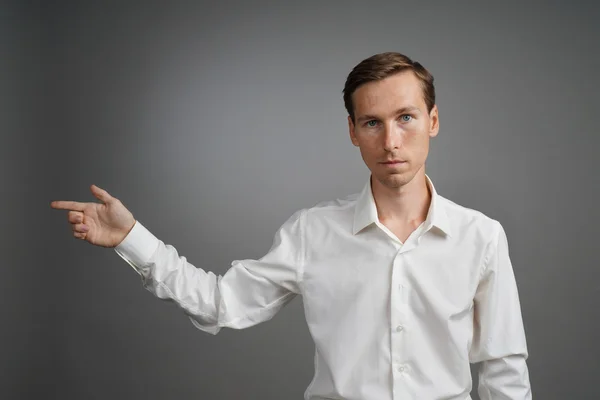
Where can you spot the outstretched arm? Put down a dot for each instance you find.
(250, 292)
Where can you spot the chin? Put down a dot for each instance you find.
(394, 181)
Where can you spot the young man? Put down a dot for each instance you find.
(402, 287)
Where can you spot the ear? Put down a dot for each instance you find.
(434, 121)
(351, 131)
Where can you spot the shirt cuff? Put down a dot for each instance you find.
(138, 246)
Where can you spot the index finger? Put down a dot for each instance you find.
(68, 205)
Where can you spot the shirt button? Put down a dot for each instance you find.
(399, 328)
(401, 369)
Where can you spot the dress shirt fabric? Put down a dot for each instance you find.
(389, 320)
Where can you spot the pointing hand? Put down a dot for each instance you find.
(103, 224)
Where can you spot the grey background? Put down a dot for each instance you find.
(214, 123)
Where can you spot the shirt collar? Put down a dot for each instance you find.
(365, 212)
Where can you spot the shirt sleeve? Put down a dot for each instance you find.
(250, 291)
(499, 343)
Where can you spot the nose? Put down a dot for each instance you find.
(392, 137)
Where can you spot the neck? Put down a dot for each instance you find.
(405, 205)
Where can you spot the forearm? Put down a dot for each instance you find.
(504, 378)
(170, 276)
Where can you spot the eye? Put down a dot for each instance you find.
(372, 123)
(406, 118)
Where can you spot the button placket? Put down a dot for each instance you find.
(399, 316)
(403, 369)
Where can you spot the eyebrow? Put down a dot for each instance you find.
(399, 111)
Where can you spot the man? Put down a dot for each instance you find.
(402, 288)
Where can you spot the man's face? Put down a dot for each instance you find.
(392, 124)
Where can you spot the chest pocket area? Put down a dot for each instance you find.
(442, 285)
(340, 288)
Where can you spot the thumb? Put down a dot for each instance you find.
(101, 194)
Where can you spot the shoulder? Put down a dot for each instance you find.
(465, 219)
(339, 207)
(340, 210)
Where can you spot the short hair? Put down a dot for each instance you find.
(381, 66)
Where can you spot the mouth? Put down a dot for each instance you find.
(393, 162)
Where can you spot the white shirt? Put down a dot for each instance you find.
(390, 320)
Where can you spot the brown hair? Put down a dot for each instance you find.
(381, 66)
